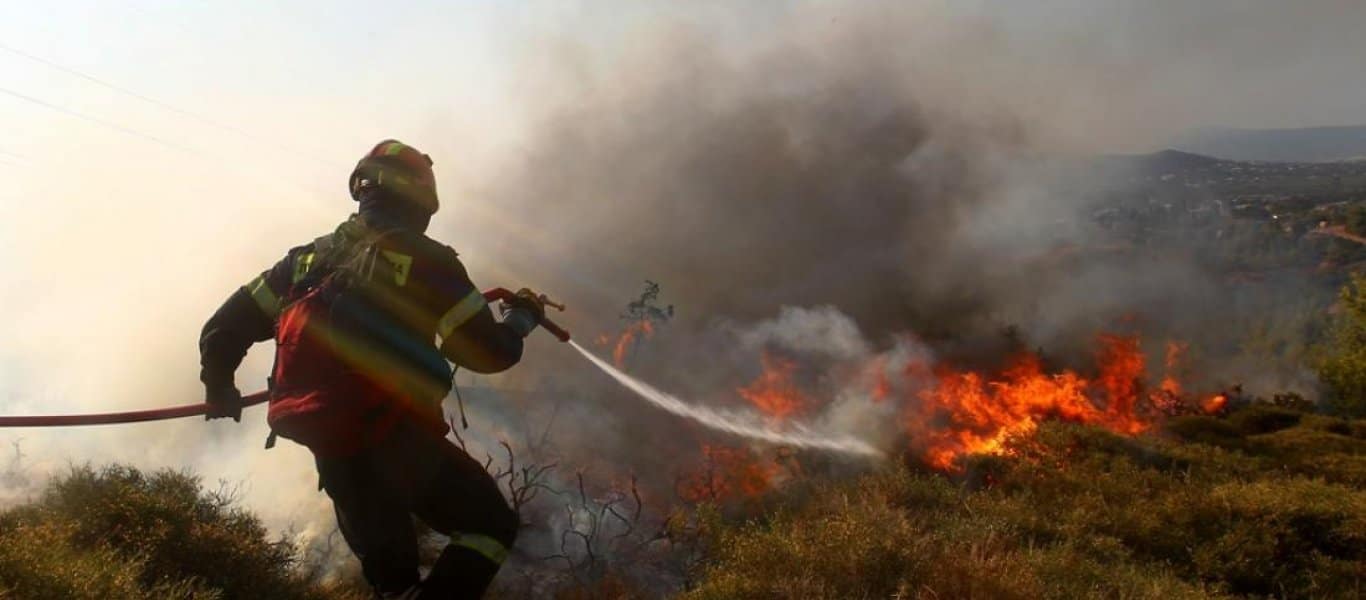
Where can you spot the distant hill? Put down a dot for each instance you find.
(1314, 144)
(1173, 160)
(1156, 163)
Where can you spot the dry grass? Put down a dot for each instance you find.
(1266, 503)
(121, 533)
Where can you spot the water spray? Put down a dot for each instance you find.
(743, 424)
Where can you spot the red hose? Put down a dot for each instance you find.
(134, 416)
(190, 410)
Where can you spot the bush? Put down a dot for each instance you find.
(1202, 429)
(1263, 418)
(1342, 362)
(120, 533)
(38, 561)
(1077, 512)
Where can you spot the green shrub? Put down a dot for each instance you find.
(1341, 362)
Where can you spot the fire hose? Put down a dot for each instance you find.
(190, 410)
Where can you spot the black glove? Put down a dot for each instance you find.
(524, 312)
(223, 401)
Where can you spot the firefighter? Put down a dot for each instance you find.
(359, 380)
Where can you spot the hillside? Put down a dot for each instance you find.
(1313, 144)
(1264, 502)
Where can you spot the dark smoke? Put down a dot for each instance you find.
(789, 179)
(899, 165)
(875, 168)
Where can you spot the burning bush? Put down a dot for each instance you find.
(1078, 511)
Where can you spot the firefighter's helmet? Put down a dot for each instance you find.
(399, 168)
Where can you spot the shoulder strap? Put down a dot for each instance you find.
(323, 245)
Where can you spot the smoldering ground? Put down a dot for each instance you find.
(893, 164)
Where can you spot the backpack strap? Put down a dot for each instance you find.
(323, 245)
(337, 250)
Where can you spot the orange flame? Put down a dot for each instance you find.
(728, 473)
(774, 392)
(948, 412)
(964, 413)
(882, 385)
(1215, 404)
(629, 337)
(1170, 384)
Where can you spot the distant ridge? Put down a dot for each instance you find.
(1165, 161)
(1312, 144)
(1175, 160)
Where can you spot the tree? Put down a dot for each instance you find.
(1342, 363)
(641, 317)
(644, 307)
(1356, 219)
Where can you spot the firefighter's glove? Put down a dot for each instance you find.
(223, 401)
(523, 312)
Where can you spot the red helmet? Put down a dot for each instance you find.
(400, 168)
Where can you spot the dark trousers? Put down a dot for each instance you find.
(413, 472)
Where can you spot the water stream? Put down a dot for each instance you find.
(741, 423)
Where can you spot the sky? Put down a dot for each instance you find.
(129, 215)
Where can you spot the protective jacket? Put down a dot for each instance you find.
(417, 291)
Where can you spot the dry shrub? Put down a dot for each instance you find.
(120, 533)
(1077, 512)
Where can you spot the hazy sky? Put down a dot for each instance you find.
(124, 223)
(323, 78)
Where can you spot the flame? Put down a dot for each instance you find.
(882, 385)
(629, 338)
(1121, 373)
(949, 412)
(774, 392)
(1171, 385)
(728, 473)
(1215, 404)
(964, 412)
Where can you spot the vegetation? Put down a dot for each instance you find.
(1342, 366)
(119, 533)
(1267, 503)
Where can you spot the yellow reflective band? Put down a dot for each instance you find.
(393, 148)
(402, 263)
(461, 312)
(302, 265)
(264, 296)
(489, 547)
